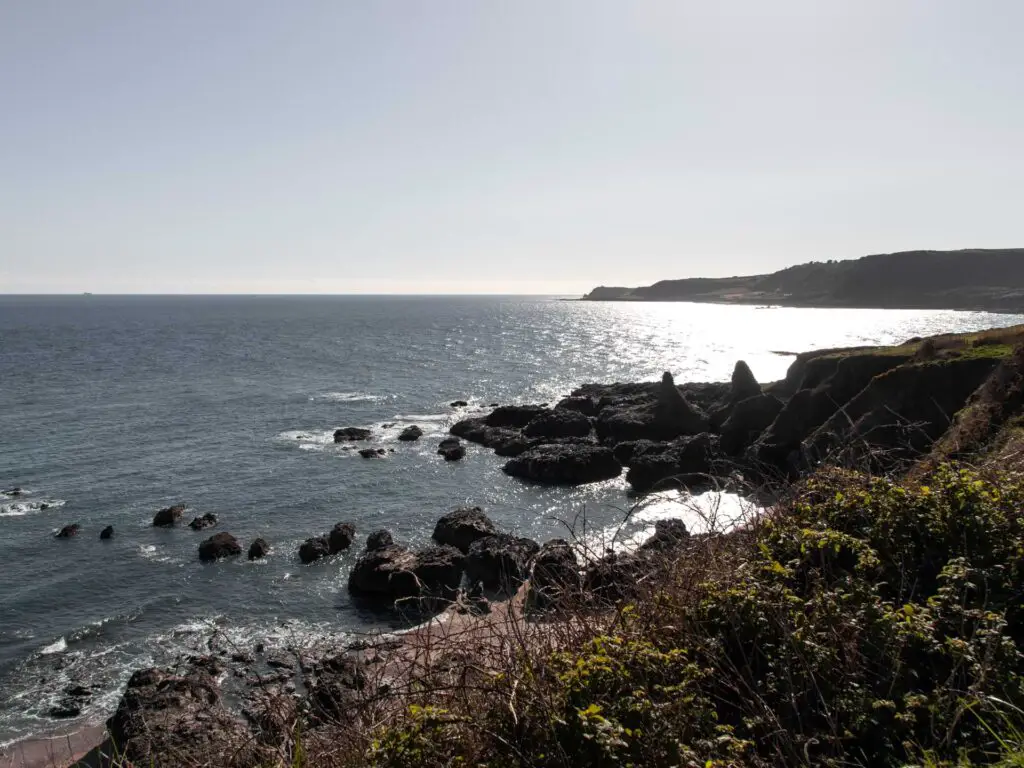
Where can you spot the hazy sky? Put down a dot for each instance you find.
(508, 146)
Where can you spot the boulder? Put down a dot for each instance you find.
(166, 518)
(258, 549)
(513, 416)
(564, 464)
(348, 434)
(453, 453)
(744, 384)
(372, 453)
(371, 576)
(395, 573)
(69, 531)
(614, 577)
(554, 576)
(514, 446)
(458, 404)
(438, 571)
(107, 533)
(476, 430)
(581, 404)
(668, 535)
(219, 545)
(409, 434)
(684, 461)
(747, 420)
(206, 521)
(558, 423)
(500, 561)
(313, 549)
(461, 527)
(340, 538)
(379, 540)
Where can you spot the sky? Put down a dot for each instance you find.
(496, 146)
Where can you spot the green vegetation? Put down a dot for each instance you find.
(864, 622)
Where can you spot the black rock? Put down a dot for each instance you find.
(347, 434)
(452, 453)
(68, 531)
(219, 545)
(564, 464)
(107, 533)
(554, 576)
(513, 416)
(372, 453)
(78, 692)
(166, 518)
(13, 492)
(313, 549)
(410, 433)
(558, 423)
(379, 540)
(581, 404)
(258, 549)
(681, 462)
(500, 561)
(458, 404)
(448, 442)
(476, 430)
(65, 710)
(461, 527)
(340, 538)
(748, 419)
(744, 384)
(206, 521)
(371, 576)
(668, 535)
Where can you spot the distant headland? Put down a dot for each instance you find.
(970, 279)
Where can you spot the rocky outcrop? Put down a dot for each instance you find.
(581, 404)
(564, 464)
(668, 535)
(681, 462)
(410, 434)
(206, 521)
(501, 561)
(258, 549)
(748, 419)
(379, 540)
(340, 538)
(659, 415)
(513, 416)
(107, 533)
(451, 449)
(394, 573)
(458, 404)
(372, 453)
(314, 549)
(350, 434)
(554, 576)
(558, 423)
(69, 531)
(476, 430)
(461, 527)
(743, 383)
(219, 546)
(166, 518)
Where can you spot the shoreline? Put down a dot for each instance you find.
(775, 303)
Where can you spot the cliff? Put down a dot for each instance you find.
(991, 280)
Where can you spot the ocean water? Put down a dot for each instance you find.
(112, 407)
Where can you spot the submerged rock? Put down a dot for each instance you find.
(340, 538)
(458, 404)
(313, 549)
(166, 518)
(107, 533)
(258, 549)
(461, 527)
(218, 546)
(409, 434)
(564, 464)
(346, 434)
(206, 521)
(68, 531)
(452, 452)
(372, 453)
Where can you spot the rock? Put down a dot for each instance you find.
(744, 384)
(13, 492)
(748, 419)
(476, 430)
(334, 686)
(163, 715)
(554, 576)
(581, 404)
(206, 521)
(564, 464)
(461, 527)
(65, 710)
(273, 716)
(675, 410)
(313, 549)
(78, 692)
(624, 452)
(647, 412)
(166, 518)
(438, 571)
(107, 533)
(458, 404)
(394, 573)
(340, 538)
(684, 461)
(558, 423)
(347, 434)
(372, 453)
(448, 442)
(258, 549)
(513, 416)
(668, 534)
(500, 561)
(514, 446)
(615, 577)
(453, 453)
(372, 573)
(219, 545)
(379, 540)
(68, 531)
(410, 434)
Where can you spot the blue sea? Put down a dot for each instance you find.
(113, 407)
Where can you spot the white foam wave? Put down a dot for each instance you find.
(22, 508)
(347, 397)
(58, 646)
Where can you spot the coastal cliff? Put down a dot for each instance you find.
(972, 279)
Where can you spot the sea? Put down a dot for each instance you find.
(112, 407)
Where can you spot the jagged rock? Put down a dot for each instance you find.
(206, 521)
(514, 446)
(683, 461)
(564, 464)
(668, 534)
(500, 561)
(624, 452)
(476, 430)
(458, 404)
(748, 419)
(513, 416)
(452, 452)
(258, 549)
(372, 573)
(581, 404)
(744, 384)
(651, 412)
(558, 423)
(69, 531)
(461, 527)
(394, 572)
(372, 453)
(409, 434)
(340, 538)
(107, 533)
(219, 545)
(438, 571)
(273, 717)
(166, 518)
(379, 540)
(554, 576)
(347, 434)
(313, 549)
(335, 686)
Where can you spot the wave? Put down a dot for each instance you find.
(348, 397)
(22, 508)
(58, 646)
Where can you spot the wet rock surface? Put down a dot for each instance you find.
(219, 546)
(167, 517)
(461, 527)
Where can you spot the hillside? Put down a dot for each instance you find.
(979, 279)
